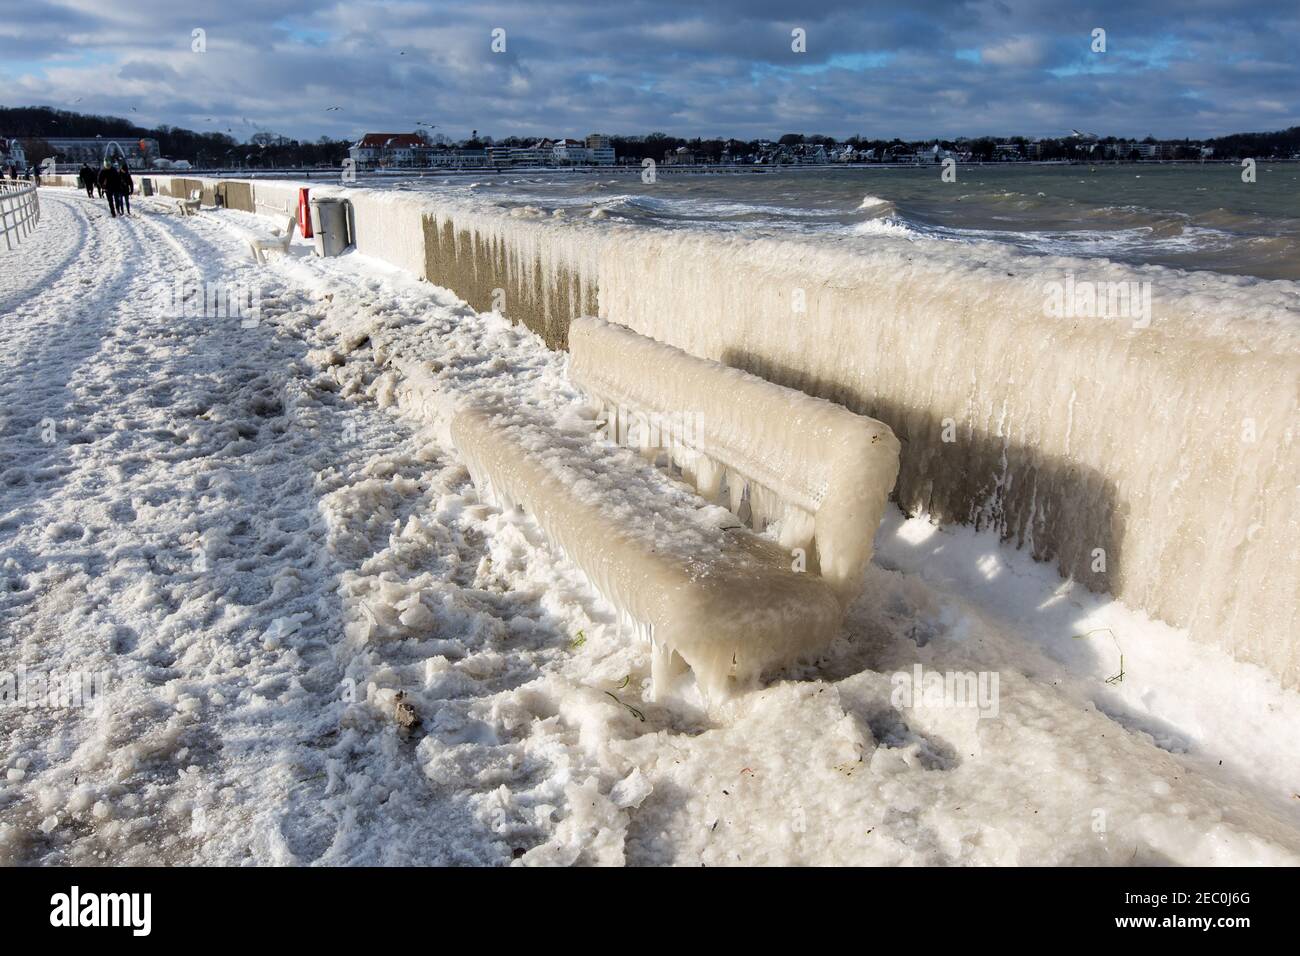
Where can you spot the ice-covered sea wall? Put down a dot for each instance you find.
(1151, 454)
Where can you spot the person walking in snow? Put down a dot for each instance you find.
(119, 188)
(125, 187)
(107, 186)
(87, 177)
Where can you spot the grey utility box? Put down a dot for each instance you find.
(146, 185)
(329, 224)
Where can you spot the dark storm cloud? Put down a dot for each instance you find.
(909, 69)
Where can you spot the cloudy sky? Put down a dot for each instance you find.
(912, 68)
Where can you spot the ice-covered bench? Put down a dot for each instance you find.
(720, 599)
(188, 207)
(771, 454)
(259, 245)
(727, 602)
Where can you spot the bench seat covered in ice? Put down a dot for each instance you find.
(279, 242)
(188, 207)
(772, 454)
(702, 589)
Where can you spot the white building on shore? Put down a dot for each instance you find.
(387, 149)
(595, 150)
(601, 149)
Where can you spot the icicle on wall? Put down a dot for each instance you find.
(532, 272)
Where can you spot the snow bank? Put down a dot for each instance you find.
(816, 471)
(526, 267)
(703, 592)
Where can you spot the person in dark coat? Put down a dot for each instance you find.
(117, 188)
(107, 183)
(125, 187)
(87, 177)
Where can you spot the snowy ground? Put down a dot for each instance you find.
(257, 535)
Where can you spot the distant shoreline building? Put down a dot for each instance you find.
(601, 149)
(681, 156)
(387, 149)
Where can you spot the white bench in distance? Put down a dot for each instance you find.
(189, 207)
(259, 245)
(730, 604)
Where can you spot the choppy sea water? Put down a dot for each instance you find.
(1190, 217)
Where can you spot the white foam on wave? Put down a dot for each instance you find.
(1110, 243)
(886, 226)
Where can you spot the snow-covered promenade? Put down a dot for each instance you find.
(245, 536)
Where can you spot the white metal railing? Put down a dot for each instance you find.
(20, 210)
